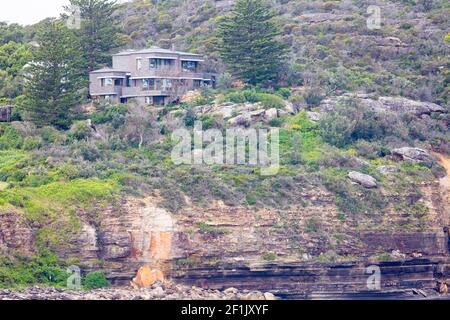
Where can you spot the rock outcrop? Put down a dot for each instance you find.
(414, 155)
(399, 105)
(15, 235)
(231, 251)
(245, 114)
(363, 179)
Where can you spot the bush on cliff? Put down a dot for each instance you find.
(95, 280)
(46, 269)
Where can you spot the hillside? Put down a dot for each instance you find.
(332, 48)
(363, 120)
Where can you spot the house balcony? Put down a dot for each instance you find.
(171, 73)
(105, 91)
(128, 92)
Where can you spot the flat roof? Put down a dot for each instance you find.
(105, 70)
(155, 49)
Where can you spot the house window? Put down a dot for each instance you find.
(118, 82)
(148, 100)
(164, 84)
(189, 66)
(158, 63)
(158, 84)
(138, 63)
(197, 83)
(108, 82)
(158, 100)
(148, 84)
(167, 84)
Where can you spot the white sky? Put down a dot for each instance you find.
(30, 11)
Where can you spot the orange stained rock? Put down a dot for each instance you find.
(147, 276)
(160, 245)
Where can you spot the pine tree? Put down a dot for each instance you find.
(99, 31)
(249, 44)
(53, 79)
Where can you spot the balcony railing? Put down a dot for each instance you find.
(172, 73)
(97, 91)
(140, 92)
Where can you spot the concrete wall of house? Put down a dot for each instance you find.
(129, 62)
(169, 81)
(95, 83)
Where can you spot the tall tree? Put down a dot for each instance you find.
(53, 79)
(249, 43)
(11, 33)
(99, 30)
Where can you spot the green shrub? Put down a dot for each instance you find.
(284, 92)
(90, 152)
(277, 122)
(312, 225)
(95, 280)
(269, 256)
(270, 101)
(352, 122)
(10, 138)
(45, 269)
(225, 81)
(50, 135)
(114, 114)
(190, 118)
(313, 98)
(207, 228)
(242, 96)
(31, 143)
(210, 121)
(80, 130)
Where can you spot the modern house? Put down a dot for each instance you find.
(151, 76)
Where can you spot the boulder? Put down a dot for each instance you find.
(271, 114)
(442, 287)
(390, 42)
(363, 179)
(292, 108)
(147, 277)
(158, 293)
(231, 291)
(414, 155)
(404, 105)
(314, 116)
(242, 120)
(254, 296)
(355, 162)
(269, 296)
(398, 255)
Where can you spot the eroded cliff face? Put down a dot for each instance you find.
(297, 251)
